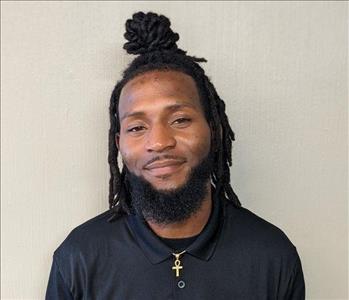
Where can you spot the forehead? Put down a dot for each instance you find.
(159, 86)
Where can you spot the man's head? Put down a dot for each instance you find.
(167, 120)
(164, 141)
(163, 130)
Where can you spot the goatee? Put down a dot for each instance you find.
(172, 205)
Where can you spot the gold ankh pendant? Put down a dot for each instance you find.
(177, 263)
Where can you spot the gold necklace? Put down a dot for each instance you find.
(177, 263)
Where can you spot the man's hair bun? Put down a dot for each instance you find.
(149, 32)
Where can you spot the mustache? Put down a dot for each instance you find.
(163, 157)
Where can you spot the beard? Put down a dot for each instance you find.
(171, 205)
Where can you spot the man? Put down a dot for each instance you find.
(175, 228)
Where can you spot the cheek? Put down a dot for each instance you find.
(203, 147)
(199, 144)
(128, 153)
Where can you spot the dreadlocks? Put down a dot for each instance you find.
(150, 36)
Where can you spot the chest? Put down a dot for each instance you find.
(226, 275)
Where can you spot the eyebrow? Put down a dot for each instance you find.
(172, 107)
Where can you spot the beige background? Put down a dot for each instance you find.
(281, 67)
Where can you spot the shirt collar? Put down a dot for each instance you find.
(157, 251)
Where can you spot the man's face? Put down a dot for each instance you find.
(163, 130)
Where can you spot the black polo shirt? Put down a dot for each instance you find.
(238, 255)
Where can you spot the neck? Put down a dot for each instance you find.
(187, 228)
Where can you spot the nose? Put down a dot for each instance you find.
(160, 139)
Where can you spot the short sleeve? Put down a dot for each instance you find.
(57, 288)
(296, 286)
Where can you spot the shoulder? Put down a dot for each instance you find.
(90, 234)
(256, 244)
(254, 232)
(93, 244)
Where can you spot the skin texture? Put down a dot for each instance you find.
(163, 135)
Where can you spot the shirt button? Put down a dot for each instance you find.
(181, 284)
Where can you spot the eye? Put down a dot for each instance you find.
(181, 120)
(135, 129)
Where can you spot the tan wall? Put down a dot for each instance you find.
(281, 67)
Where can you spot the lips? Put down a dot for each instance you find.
(164, 167)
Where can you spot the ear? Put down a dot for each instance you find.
(117, 140)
